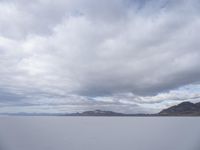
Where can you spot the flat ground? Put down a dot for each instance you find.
(99, 133)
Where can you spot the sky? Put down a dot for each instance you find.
(130, 56)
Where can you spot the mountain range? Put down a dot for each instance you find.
(182, 109)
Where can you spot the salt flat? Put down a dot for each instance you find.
(99, 133)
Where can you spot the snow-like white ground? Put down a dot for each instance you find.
(99, 133)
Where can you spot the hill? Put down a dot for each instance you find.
(182, 109)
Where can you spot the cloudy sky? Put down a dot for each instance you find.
(131, 56)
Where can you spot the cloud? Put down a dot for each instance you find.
(99, 49)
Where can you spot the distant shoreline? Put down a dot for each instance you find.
(185, 109)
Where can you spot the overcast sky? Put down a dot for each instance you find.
(132, 56)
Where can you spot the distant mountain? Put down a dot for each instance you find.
(97, 113)
(107, 113)
(85, 113)
(182, 109)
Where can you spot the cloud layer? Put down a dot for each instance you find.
(75, 52)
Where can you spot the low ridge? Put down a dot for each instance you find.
(182, 109)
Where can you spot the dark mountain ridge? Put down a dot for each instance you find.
(182, 109)
(98, 113)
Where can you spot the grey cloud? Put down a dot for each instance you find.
(98, 49)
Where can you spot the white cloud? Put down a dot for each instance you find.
(99, 49)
